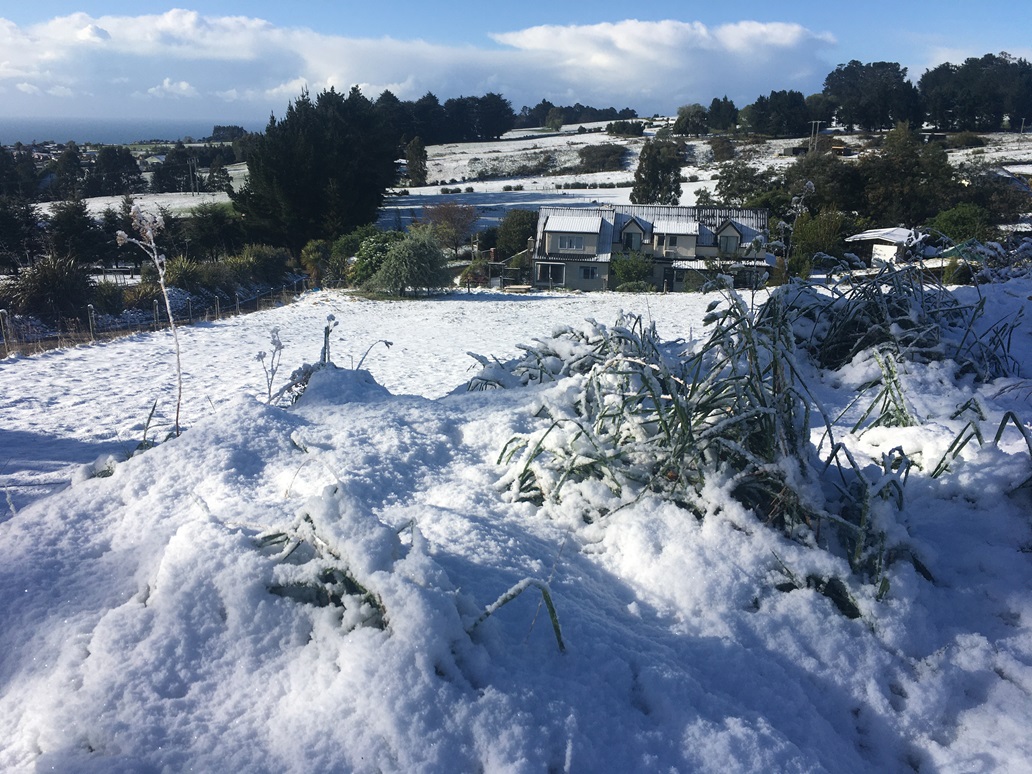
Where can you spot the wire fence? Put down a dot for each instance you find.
(27, 336)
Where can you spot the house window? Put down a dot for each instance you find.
(679, 275)
(588, 272)
(729, 244)
(551, 273)
(571, 242)
(672, 241)
(659, 240)
(632, 240)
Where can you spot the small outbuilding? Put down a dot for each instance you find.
(879, 247)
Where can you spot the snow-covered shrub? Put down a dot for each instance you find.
(899, 313)
(642, 416)
(313, 569)
(732, 415)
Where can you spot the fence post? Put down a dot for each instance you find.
(5, 324)
(237, 296)
(90, 316)
(218, 313)
(156, 314)
(189, 310)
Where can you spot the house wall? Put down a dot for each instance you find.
(882, 254)
(685, 248)
(552, 243)
(576, 275)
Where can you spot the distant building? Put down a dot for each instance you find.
(879, 247)
(688, 245)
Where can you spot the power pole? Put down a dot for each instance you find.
(815, 128)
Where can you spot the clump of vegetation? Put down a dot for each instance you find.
(141, 296)
(965, 140)
(626, 128)
(723, 149)
(606, 157)
(410, 264)
(109, 298)
(52, 288)
(634, 268)
(899, 313)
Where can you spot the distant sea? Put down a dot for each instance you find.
(111, 131)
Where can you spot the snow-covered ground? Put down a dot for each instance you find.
(140, 631)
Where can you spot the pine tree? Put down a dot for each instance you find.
(415, 159)
(657, 180)
(319, 172)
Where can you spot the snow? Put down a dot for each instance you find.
(139, 631)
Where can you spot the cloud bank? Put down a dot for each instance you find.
(182, 63)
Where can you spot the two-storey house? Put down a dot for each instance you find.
(574, 246)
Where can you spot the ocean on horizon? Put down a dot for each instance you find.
(111, 131)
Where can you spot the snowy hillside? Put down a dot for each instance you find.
(361, 581)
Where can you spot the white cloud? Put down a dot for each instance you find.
(170, 88)
(651, 66)
(91, 32)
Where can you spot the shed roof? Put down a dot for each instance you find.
(895, 236)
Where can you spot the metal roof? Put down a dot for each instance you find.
(576, 223)
(895, 236)
(675, 226)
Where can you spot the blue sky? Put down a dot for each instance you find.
(243, 60)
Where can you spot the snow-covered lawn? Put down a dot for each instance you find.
(152, 622)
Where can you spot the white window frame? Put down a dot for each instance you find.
(571, 243)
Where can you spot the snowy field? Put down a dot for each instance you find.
(140, 630)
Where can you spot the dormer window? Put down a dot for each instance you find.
(632, 240)
(728, 244)
(571, 242)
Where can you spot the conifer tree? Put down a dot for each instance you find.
(657, 180)
(318, 172)
(415, 159)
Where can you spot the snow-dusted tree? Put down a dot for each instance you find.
(691, 119)
(415, 262)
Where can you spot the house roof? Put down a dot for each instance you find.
(587, 222)
(679, 226)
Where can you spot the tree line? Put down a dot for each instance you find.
(991, 93)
